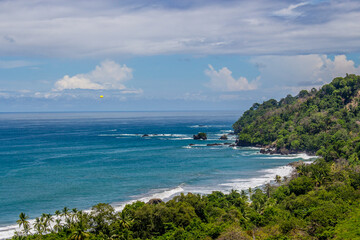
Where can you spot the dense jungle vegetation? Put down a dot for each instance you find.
(321, 200)
(324, 121)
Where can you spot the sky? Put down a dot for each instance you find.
(170, 55)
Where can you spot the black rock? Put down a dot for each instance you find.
(200, 136)
(223, 137)
(214, 144)
(154, 201)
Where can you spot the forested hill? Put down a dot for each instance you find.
(324, 121)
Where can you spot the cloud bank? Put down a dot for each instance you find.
(303, 71)
(107, 28)
(290, 11)
(9, 64)
(223, 80)
(107, 76)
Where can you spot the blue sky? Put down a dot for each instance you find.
(147, 55)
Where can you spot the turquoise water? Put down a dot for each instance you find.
(52, 160)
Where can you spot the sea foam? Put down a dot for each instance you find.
(302, 156)
(163, 195)
(268, 176)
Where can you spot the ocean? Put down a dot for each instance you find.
(52, 160)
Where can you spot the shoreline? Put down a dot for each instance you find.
(269, 149)
(268, 176)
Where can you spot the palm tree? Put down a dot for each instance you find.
(68, 223)
(301, 170)
(243, 195)
(65, 212)
(234, 192)
(250, 193)
(57, 226)
(44, 221)
(80, 213)
(278, 179)
(50, 219)
(79, 234)
(23, 222)
(18, 236)
(318, 177)
(38, 226)
(80, 227)
(57, 213)
(267, 189)
(74, 211)
(80, 216)
(124, 220)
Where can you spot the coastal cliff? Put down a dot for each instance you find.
(320, 122)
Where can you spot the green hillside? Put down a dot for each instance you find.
(324, 121)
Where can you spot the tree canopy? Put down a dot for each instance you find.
(324, 121)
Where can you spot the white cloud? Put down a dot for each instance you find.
(229, 97)
(303, 70)
(107, 28)
(15, 64)
(76, 82)
(132, 91)
(290, 11)
(223, 80)
(47, 95)
(336, 68)
(198, 96)
(108, 75)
